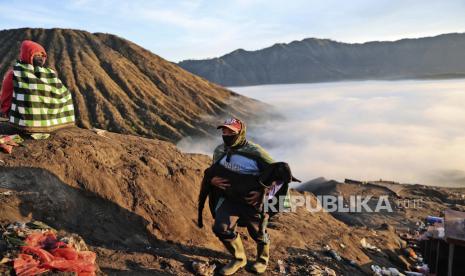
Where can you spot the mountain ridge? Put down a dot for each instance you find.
(317, 60)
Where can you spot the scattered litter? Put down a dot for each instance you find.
(203, 268)
(7, 193)
(33, 248)
(38, 225)
(409, 252)
(282, 267)
(11, 138)
(411, 273)
(350, 262)
(99, 131)
(7, 142)
(5, 260)
(332, 253)
(423, 268)
(394, 271)
(6, 148)
(40, 136)
(76, 242)
(431, 220)
(367, 245)
(317, 270)
(335, 255)
(378, 271)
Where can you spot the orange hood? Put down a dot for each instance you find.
(28, 49)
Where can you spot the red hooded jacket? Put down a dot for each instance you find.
(28, 50)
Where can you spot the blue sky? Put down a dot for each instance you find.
(178, 30)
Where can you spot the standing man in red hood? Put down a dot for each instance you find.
(32, 96)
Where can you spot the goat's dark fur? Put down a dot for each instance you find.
(241, 184)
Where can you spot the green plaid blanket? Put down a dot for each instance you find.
(41, 103)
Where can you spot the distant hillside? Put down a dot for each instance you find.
(120, 86)
(316, 60)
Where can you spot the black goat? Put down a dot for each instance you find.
(241, 184)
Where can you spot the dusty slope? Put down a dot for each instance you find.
(410, 203)
(122, 87)
(133, 199)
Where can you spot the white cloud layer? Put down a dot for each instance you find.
(406, 131)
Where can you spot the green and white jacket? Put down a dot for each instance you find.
(41, 103)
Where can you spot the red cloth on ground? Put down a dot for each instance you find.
(65, 253)
(26, 265)
(42, 255)
(44, 252)
(78, 266)
(47, 239)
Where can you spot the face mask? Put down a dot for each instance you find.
(229, 139)
(38, 61)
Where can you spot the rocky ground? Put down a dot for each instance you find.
(133, 200)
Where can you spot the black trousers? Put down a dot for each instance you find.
(230, 213)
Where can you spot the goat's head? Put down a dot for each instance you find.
(279, 171)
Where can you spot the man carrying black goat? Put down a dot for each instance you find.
(242, 176)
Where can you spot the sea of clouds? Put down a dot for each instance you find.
(405, 131)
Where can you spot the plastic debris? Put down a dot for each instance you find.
(412, 273)
(367, 245)
(383, 271)
(433, 220)
(409, 252)
(100, 132)
(5, 260)
(11, 138)
(376, 270)
(350, 262)
(33, 248)
(282, 267)
(332, 253)
(40, 136)
(7, 142)
(203, 268)
(38, 225)
(394, 271)
(423, 268)
(317, 270)
(76, 242)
